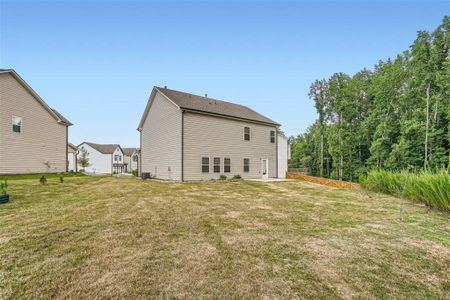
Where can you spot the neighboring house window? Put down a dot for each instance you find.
(247, 133)
(227, 165)
(120, 157)
(205, 164)
(135, 158)
(272, 136)
(216, 164)
(116, 157)
(17, 124)
(246, 165)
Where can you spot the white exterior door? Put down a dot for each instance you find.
(265, 168)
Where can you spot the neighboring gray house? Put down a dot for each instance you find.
(103, 158)
(131, 159)
(33, 136)
(189, 137)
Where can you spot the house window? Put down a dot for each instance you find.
(135, 158)
(247, 133)
(205, 164)
(227, 165)
(17, 124)
(216, 164)
(117, 157)
(246, 165)
(272, 136)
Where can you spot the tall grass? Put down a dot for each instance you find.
(431, 188)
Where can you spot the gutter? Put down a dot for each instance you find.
(229, 117)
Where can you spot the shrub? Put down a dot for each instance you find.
(223, 177)
(134, 172)
(3, 186)
(236, 177)
(433, 189)
(61, 179)
(43, 180)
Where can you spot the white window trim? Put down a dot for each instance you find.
(209, 164)
(21, 124)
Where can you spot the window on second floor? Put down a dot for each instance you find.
(17, 124)
(117, 157)
(216, 164)
(246, 165)
(227, 165)
(135, 158)
(205, 164)
(247, 133)
(272, 136)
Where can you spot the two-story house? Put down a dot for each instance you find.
(189, 137)
(103, 158)
(33, 136)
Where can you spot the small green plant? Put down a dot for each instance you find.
(223, 177)
(43, 180)
(236, 177)
(3, 186)
(83, 159)
(134, 172)
(61, 179)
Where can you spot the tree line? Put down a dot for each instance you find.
(394, 117)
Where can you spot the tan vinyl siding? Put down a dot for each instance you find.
(42, 138)
(210, 136)
(161, 140)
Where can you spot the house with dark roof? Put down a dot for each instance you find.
(103, 158)
(189, 137)
(33, 136)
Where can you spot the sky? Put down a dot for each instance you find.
(97, 61)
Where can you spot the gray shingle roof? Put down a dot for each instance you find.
(103, 148)
(213, 106)
(129, 151)
(61, 117)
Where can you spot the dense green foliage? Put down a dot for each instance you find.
(431, 188)
(395, 117)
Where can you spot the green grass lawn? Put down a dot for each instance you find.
(37, 176)
(94, 237)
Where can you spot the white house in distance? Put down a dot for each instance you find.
(103, 158)
(33, 136)
(190, 137)
(72, 152)
(131, 159)
(284, 154)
